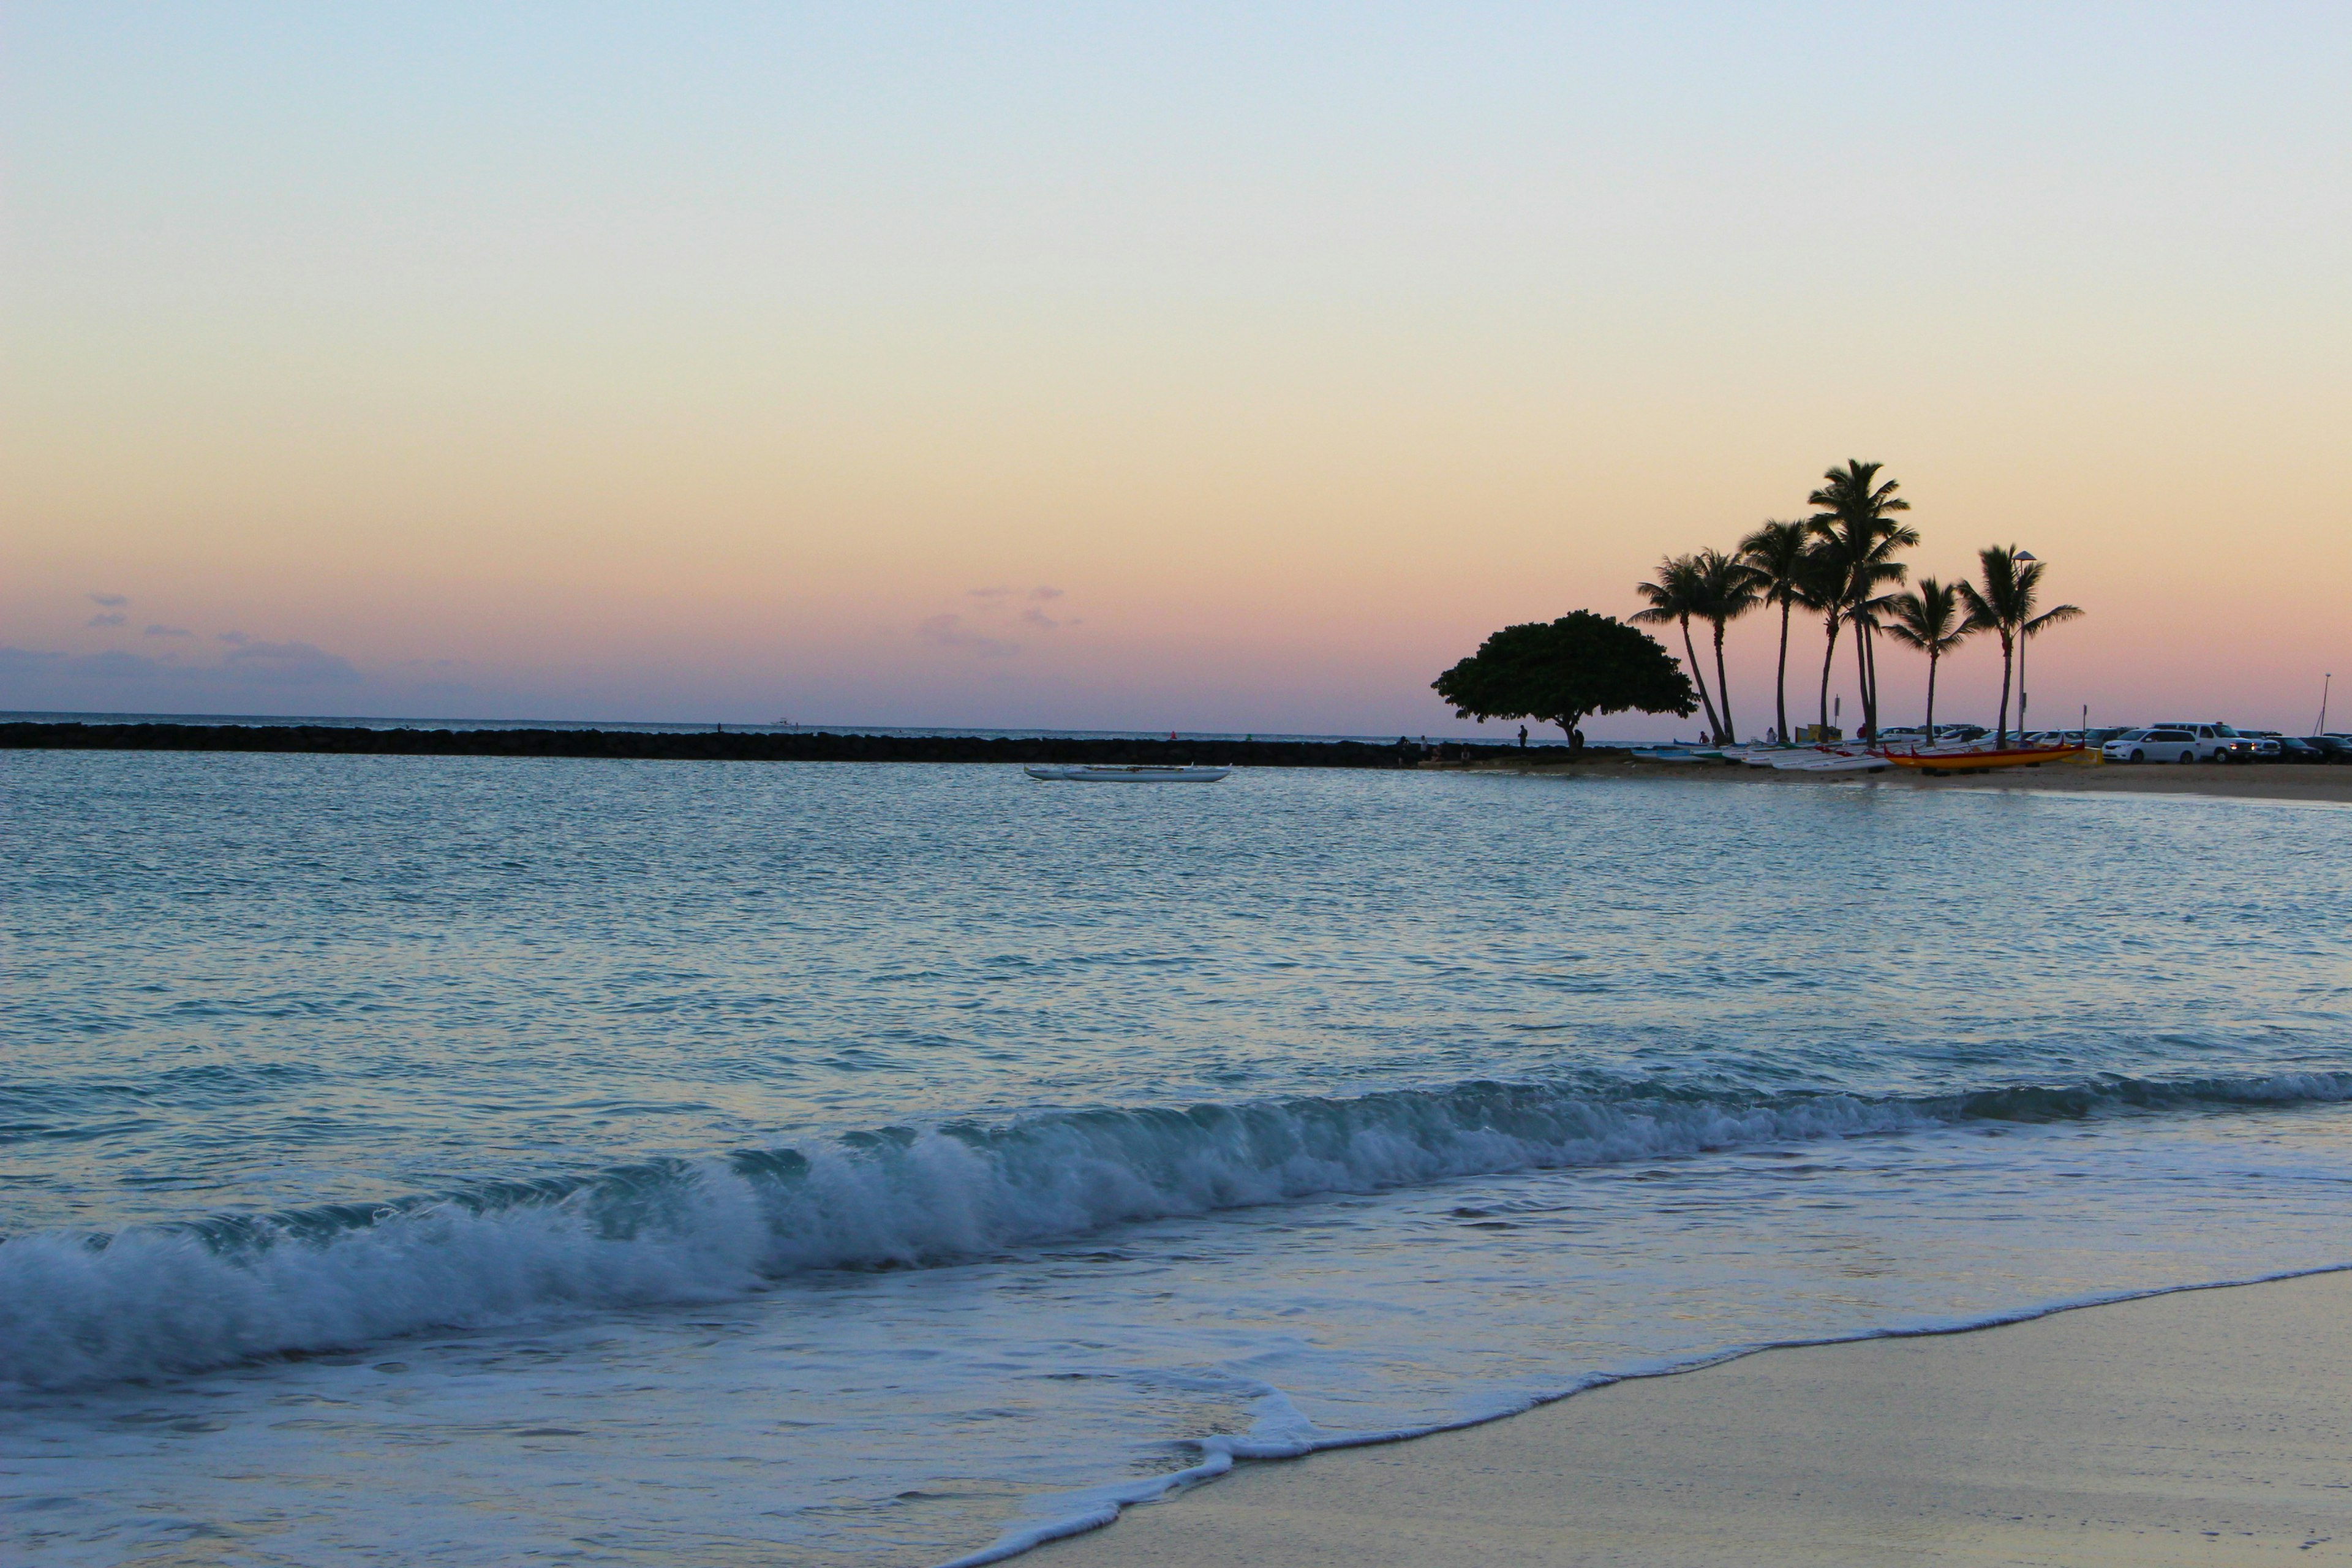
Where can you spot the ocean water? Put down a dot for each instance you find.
(472, 1161)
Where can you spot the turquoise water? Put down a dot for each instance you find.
(448, 1159)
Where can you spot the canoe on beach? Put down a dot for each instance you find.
(1933, 763)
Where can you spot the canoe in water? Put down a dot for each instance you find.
(1091, 772)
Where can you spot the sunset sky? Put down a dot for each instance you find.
(1192, 366)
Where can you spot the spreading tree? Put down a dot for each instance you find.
(1562, 672)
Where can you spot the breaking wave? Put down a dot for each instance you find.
(81, 1308)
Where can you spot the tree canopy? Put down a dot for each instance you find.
(1560, 672)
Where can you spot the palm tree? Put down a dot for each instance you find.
(1825, 578)
(1726, 591)
(1933, 620)
(2004, 603)
(1776, 554)
(1856, 521)
(1678, 595)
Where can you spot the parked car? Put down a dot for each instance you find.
(2174, 745)
(2216, 743)
(2291, 750)
(2265, 743)
(2331, 748)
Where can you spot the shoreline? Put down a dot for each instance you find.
(2196, 1426)
(2319, 782)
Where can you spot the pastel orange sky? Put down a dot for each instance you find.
(1216, 367)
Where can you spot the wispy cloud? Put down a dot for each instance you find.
(161, 631)
(949, 631)
(110, 601)
(286, 663)
(993, 613)
(107, 618)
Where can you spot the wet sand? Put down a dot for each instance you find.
(2327, 783)
(2210, 1427)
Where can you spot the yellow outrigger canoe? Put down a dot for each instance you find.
(1980, 762)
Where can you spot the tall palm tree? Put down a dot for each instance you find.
(1676, 596)
(2003, 602)
(1933, 620)
(1776, 554)
(1857, 521)
(1726, 591)
(1825, 579)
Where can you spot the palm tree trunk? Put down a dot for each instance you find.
(1870, 641)
(1828, 654)
(1723, 689)
(1932, 656)
(1698, 675)
(2001, 736)
(1781, 680)
(1862, 673)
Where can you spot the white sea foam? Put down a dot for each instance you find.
(148, 1301)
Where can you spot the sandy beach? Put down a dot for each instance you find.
(2224, 780)
(2205, 1427)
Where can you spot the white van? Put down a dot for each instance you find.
(2163, 743)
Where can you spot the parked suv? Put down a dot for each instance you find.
(2158, 744)
(2215, 743)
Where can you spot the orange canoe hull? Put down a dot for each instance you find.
(1980, 762)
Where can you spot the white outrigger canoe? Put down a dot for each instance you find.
(1137, 772)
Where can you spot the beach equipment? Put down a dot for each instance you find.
(1138, 772)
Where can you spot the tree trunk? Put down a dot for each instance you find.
(1870, 641)
(1781, 680)
(1862, 673)
(1698, 675)
(1722, 690)
(1932, 656)
(2008, 649)
(1831, 625)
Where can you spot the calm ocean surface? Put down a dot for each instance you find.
(461, 1161)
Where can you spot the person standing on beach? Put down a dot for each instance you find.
(1523, 737)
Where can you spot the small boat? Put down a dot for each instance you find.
(1932, 762)
(1134, 773)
